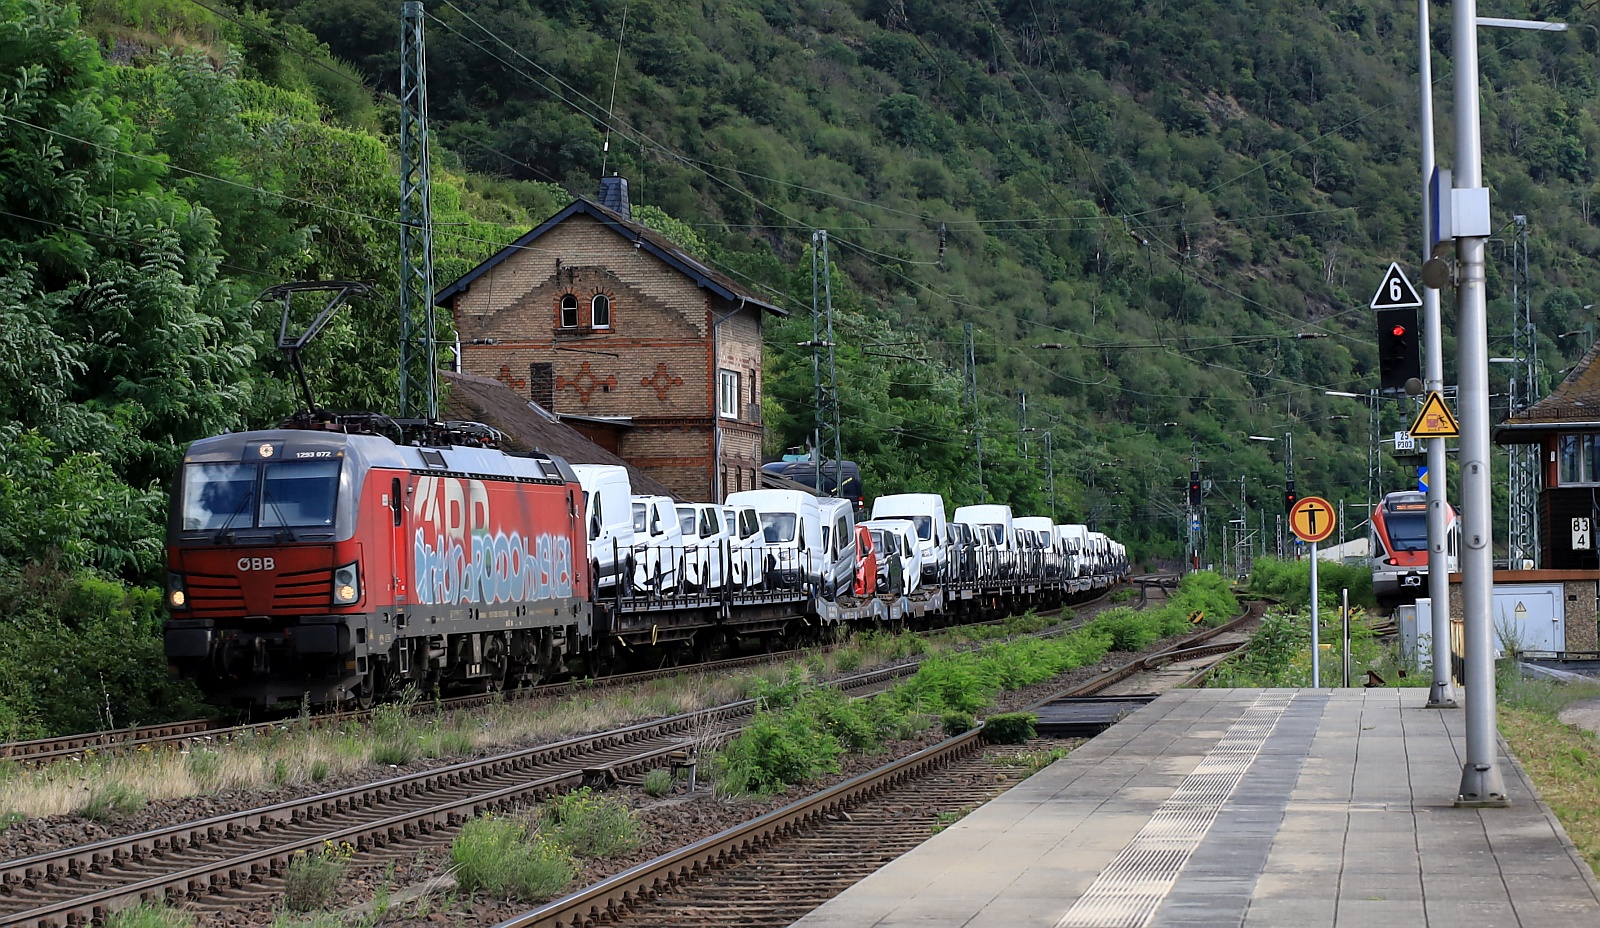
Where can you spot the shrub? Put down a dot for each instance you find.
(506, 858)
(658, 782)
(850, 721)
(955, 723)
(1010, 728)
(589, 825)
(107, 801)
(314, 876)
(775, 750)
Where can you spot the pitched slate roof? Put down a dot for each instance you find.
(1573, 404)
(528, 427)
(646, 238)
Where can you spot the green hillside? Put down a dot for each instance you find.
(1141, 208)
(1170, 192)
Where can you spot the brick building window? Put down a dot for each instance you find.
(600, 311)
(728, 394)
(569, 312)
(542, 383)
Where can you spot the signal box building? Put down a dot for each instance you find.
(627, 338)
(1566, 428)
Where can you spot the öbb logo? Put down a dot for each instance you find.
(257, 563)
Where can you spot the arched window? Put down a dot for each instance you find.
(600, 309)
(569, 312)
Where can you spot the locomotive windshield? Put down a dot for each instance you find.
(1408, 531)
(218, 497)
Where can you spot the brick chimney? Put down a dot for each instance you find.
(614, 195)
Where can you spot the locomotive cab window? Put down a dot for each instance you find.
(239, 496)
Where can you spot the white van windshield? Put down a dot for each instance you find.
(778, 527)
(686, 517)
(730, 519)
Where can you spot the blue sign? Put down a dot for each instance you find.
(1422, 479)
(1194, 525)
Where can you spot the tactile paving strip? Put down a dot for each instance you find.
(1128, 891)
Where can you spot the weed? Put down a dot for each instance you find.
(506, 858)
(107, 801)
(907, 726)
(847, 661)
(309, 920)
(314, 876)
(955, 723)
(1010, 728)
(11, 818)
(590, 825)
(149, 916)
(280, 771)
(319, 770)
(943, 820)
(205, 766)
(1033, 761)
(658, 782)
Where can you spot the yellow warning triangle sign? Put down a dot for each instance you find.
(1435, 420)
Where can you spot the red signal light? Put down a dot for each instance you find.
(1399, 331)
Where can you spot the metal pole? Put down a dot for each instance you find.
(1345, 614)
(1481, 782)
(1442, 694)
(1316, 646)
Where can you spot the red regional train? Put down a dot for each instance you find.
(330, 566)
(1399, 545)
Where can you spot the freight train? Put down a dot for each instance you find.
(341, 559)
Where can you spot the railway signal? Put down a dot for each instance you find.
(1312, 519)
(1194, 489)
(1289, 497)
(1398, 361)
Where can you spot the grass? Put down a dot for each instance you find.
(590, 825)
(1563, 760)
(314, 877)
(149, 916)
(109, 801)
(507, 858)
(658, 782)
(296, 755)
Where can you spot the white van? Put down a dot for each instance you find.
(1099, 553)
(1042, 534)
(897, 544)
(791, 528)
(657, 545)
(746, 545)
(925, 512)
(705, 551)
(993, 526)
(607, 496)
(839, 550)
(1076, 539)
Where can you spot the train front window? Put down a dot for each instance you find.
(1408, 531)
(217, 496)
(299, 494)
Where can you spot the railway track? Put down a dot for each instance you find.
(214, 730)
(774, 869)
(220, 857)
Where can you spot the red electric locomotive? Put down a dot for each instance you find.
(334, 565)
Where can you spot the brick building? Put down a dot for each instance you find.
(628, 339)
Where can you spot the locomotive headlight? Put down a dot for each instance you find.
(347, 584)
(177, 596)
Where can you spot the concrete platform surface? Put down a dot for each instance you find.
(1270, 808)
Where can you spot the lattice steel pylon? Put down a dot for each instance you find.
(1522, 533)
(826, 382)
(419, 376)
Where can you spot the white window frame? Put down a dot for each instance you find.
(561, 317)
(1588, 448)
(728, 394)
(599, 300)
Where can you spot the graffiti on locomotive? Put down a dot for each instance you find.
(474, 545)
